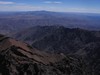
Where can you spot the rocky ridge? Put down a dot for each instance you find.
(18, 58)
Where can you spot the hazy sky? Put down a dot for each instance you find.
(92, 6)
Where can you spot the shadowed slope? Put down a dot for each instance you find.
(58, 39)
(18, 58)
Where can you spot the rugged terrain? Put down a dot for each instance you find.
(18, 58)
(58, 39)
(49, 48)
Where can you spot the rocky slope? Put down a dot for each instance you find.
(18, 58)
(58, 39)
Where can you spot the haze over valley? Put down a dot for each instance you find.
(49, 37)
(14, 21)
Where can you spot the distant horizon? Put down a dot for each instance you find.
(50, 11)
(79, 6)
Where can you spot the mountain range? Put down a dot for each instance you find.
(58, 39)
(15, 21)
(49, 43)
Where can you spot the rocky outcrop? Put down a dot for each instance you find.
(18, 58)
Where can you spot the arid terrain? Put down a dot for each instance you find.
(49, 43)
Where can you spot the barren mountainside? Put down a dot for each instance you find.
(18, 58)
(58, 39)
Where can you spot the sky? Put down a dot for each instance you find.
(85, 6)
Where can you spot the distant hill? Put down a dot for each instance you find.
(58, 39)
(15, 21)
